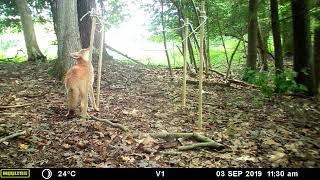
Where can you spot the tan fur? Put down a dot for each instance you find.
(75, 83)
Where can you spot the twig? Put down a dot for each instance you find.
(195, 136)
(110, 123)
(199, 145)
(15, 106)
(13, 136)
(36, 95)
(170, 152)
(122, 54)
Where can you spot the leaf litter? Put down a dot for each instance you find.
(281, 131)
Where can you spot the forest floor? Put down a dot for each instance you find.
(281, 131)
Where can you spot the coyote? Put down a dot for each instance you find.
(75, 82)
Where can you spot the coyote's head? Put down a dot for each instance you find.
(83, 54)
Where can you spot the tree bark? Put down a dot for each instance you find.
(316, 51)
(252, 35)
(83, 6)
(67, 35)
(263, 50)
(53, 8)
(287, 32)
(302, 63)
(276, 36)
(33, 51)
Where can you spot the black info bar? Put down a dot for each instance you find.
(160, 173)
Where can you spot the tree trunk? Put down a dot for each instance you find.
(84, 6)
(67, 35)
(252, 35)
(287, 31)
(165, 39)
(276, 36)
(302, 62)
(287, 37)
(53, 8)
(263, 50)
(316, 52)
(34, 53)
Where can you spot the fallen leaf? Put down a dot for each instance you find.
(275, 157)
(5, 142)
(24, 146)
(269, 141)
(66, 146)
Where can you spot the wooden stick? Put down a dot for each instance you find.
(124, 55)
(184, 84)
(202, 16)
(204, 141)
(93, 30)
(199, 145)
(100, 66)
(13, 136)
(195, 136)
(14, 106)
(116, 125)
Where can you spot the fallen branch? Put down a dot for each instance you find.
(209, 83)
(14, 106)
(36, 95)
(204, 141)
(116, 125)
(234, 81)
(170, 152)
(195, 136)
(200, 145)
(242, 83)
(12, 136)
(124, 55)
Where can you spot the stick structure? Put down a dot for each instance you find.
(100, 66)
(202, 19)
(185, 44)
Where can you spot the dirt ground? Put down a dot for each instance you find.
(281, 131)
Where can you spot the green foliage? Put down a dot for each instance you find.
(285, 82)
(116, 11)
(260, 79)
(268, 82)
(9, 17)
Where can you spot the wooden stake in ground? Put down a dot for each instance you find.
(202, 22)
(93, 30)
(100, 65)
(184, 83)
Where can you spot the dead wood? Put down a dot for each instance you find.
(200, 145)
(204, 141)
(14, 106)
(36, 95)
(116, 125)
(208, 83)
(195, 136)
(124, 55)
(13, 136)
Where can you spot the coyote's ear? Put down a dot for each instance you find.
(75, 55)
